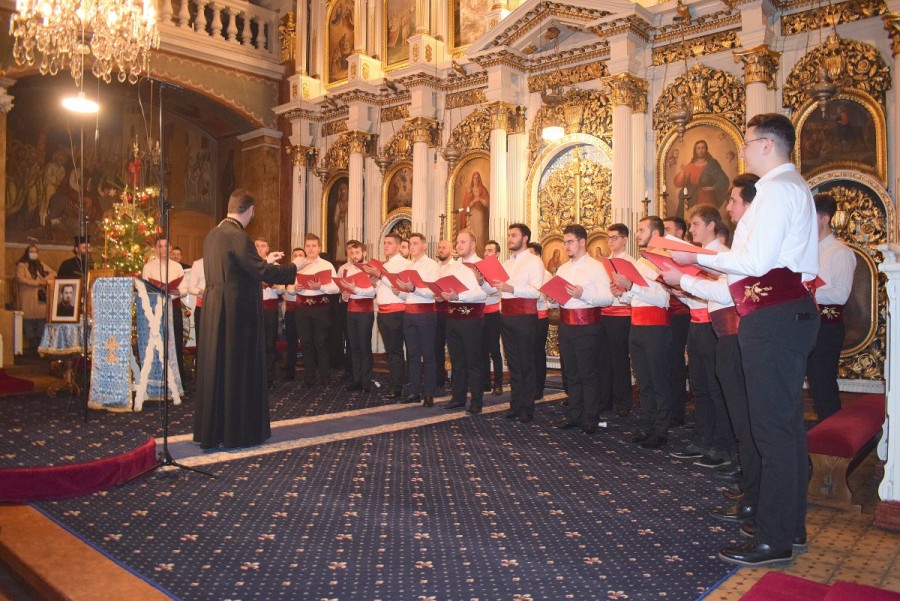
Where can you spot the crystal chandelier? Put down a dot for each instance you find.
(118, 34)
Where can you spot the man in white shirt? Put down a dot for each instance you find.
(837, 264)
(197, 286)
(775, 250)
(491, 340)
(649, 342)
(679, 323)
(290, 321)
(390, 312)
(445, 262)
(543, 329)
(270, 296)
(419, 323)
(579, 330)
(518, 316)
(360, 319)
(155, 272)
(615, 326)
(314, 314)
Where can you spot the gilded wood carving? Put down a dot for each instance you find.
(583, 111)
(709, 90)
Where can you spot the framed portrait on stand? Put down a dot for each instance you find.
(64, 305)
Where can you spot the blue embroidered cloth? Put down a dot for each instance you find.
(111, 368)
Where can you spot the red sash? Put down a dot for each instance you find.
(418, 308)
(725, 321)
(543, 313)
(392, 308)
(700, 315)
(649, 316)
(494, 308)
(465, 310)
(778, 286)
(676, 307)
(305, 302)
(199, 303)
(580, 317)
(441, 307)
(269, 304)
(290, 306)
(360, 305)
(832, 313)
(518, 306)
(616, 311)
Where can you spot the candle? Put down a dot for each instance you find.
(647, 194)
(663, 189)
(684, 191)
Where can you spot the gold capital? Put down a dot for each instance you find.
(628, 90)
(425, 130)
(760, 65)
(302, 156)
(892, 25)
(499, 114)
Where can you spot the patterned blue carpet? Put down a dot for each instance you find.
(476, 508)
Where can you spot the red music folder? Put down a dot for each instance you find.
(172, 287)
(608, 266)
(555, 288)
(375, 264)
(323, 277)
(450, 283)
(670, 244)
(663, 261)
(626, 268)
(411, 275)
(492, 270)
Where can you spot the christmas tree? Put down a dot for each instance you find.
(130, 230)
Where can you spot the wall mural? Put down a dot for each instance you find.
(471, 197)
(338, 40)
(334, 232)
(399, 25)
(469, 20)
(397, 191)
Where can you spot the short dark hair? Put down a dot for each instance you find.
(178, 248)
(417, 235)
(494, 242)
(825, 204)
(524, 229)
(397, 237)
(708, 213)
(577, 230)
(678, 221)
(300, 248)
(240, 200)
(746, 183)
(536, 247)
(619, 228)
(656, 224)
(353, 244)
(778, 127)
(260, 239)
(311, 236)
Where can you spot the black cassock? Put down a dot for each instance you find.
(232, 405)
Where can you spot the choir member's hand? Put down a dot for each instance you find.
(396, 291)
(450, 296)
(671, 275)
(684, 258)
(315, 285)
(621, 281)
(405, 286)
(479, 277)
(616, 291)
(503, 286)
(345, 295)
(274, 257)
(574, 291)
(200, 294)
(373, 273)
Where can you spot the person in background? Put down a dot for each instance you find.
(77, 266)
(175, 255)
(491, 339)
(270, 298)
(679, 324)
(445, 262)
(197, 286)
(543, 329)
(360, 319)
(404, 248)
(290, 321)
(33, 278)
(155, 271)
(615, 325)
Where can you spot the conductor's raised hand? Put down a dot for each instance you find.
(274, 257)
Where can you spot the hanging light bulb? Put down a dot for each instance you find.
(80, 104)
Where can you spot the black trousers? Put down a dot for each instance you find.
(390, 326)
(340, 353)
(290, 336)
(518, 333)
(540, 357)
(440, 352)
(464, 338)
(197, 313)
(579, 348)
(822, 369)
(730, 372)
(270, 328)
(492, 353)
(313, 328)
(359, 332)
(678, 372)
(712, 429)
(418, 332)
(649, 346)
(178, 330)
(775, 344)
(615, 369)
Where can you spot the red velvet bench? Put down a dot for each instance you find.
(776, 586)
(837, 445)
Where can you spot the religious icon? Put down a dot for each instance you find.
(399, 25)
(339, 39)
(471, 198)
(337, 198)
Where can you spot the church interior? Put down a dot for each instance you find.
(355, 119)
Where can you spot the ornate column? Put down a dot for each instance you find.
(760, 67)
(302, 158)
(424, 137)
(361, 66)
(621, 97)
(640, 181)
(302, 86)
(499, 113)
(261, 158)
(358, 144)
(6, 105)
(517, 166)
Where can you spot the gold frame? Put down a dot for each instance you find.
(385, 183)
(326, 191)
(670, 139)
(877, 113)
(385, 68)
(594, 237)
(53, 301)
(449, 228)
(455, 51)
(866, 258)
(326, 62)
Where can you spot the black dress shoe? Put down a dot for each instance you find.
(691, 452)
(487, 387)
(497, 391)
(353, 387)
(564, 424)
(639, 437)
(411, 399)
(511, 414)
(729, 475)
(710, 462)
(589, 429)
(428, 402)
(622, 412)
(654, 441)
(524, 418)
(750, 529)
(455, 405)
(753, 553)
(733, 495)
(474, 409)
(734, 514)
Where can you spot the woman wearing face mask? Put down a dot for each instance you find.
(33, 276)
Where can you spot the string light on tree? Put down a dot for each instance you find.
(130, 230)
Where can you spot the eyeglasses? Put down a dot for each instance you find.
(616, 237)
(748, 142)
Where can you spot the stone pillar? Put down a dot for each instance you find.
(498, 12)
(6, 105)
(760, 67)
(517, 168)
(302, 158)
(261, 164)
(621, 99)
(499, 113)
(425, 136)
(641, 174)
(892, 25)
(372, 225)
(358, 143)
